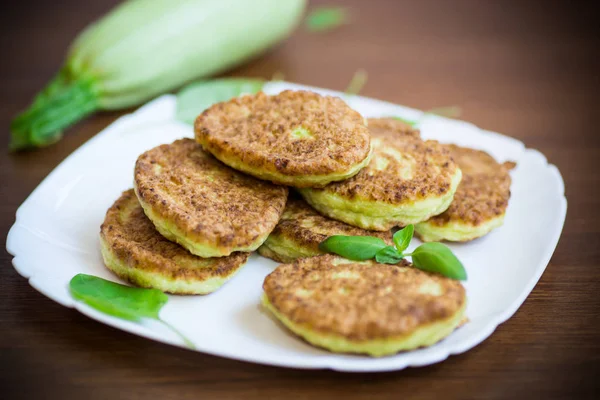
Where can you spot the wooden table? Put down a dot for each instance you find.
(524, 69)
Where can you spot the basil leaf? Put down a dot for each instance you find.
(198, 96)
(436, 257)
(323, 19)
(403, 237)
(117, 300)
(125, 302)
(357, 248)
(388, 255)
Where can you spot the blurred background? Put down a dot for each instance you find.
(525, 68)
(505, 63)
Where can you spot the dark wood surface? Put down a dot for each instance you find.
(524, 68)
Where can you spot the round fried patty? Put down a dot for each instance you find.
(480, 202)
(408, 180)
(301, 229)
(295, 138)
(136, 252)
(207, 207)
(378, 309)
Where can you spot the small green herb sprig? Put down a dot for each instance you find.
(431, 257)
(448, 112)
(323, 19)
(121, 301)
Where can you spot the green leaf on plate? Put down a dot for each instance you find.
(121, 301)
(117, 300)
(436, 257)
(357, 248)
(323, 19)
(198, 96)
(403, 237)
(388, 255)
(431, 257)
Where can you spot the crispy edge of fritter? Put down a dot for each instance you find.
(292, 239)
(162, 264)
(375, 216)
(256, 153)
(183, 226)
(480, 201)
(283, 286)
(422, 337)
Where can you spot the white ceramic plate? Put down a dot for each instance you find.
(55, 237)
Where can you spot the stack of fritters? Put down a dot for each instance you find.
(301, 229)
(407, 181)
(479, 204)
(200, 208)
(215, 214)
(134, 250)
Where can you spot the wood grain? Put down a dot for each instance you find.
(524, 68)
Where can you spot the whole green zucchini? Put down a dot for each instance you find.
(143, 48)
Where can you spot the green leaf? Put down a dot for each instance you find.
(388, 255)
(403, 237)
(125, 302)
(448, 112)
(358, 248)
(55, 108)
(407, 121)
(117, 300)
(436, 257)
(198, 96)
(323, 19)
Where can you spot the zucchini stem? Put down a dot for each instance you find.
(59, 105)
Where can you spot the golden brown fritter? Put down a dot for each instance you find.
(296, 138)
(361, 301)
(136, 252)
(207, 207)
(407, 181)
(403, 168)
(483, 192)
(301, 229)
